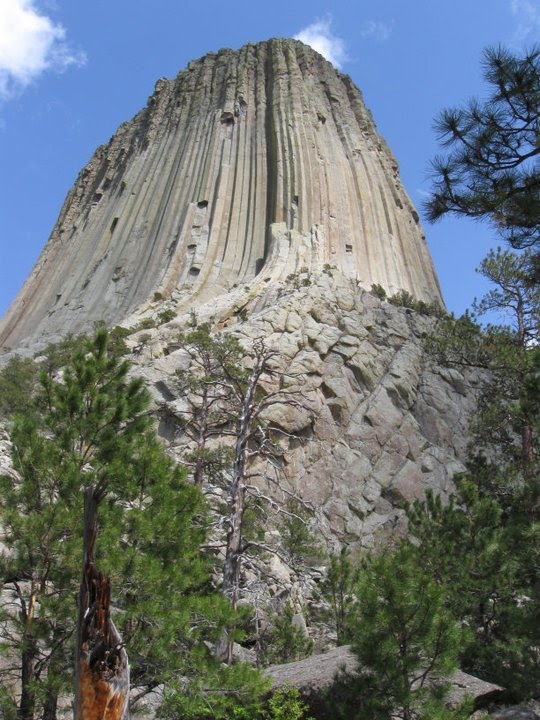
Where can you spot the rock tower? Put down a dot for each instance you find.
(249, 166)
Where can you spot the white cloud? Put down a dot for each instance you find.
(30, 44)
(527, 16)
(376, 29)
(320, 37)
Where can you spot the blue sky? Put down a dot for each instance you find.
(71, 72)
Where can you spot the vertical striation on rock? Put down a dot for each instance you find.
(249, 166)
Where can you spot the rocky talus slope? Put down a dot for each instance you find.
(248, 166)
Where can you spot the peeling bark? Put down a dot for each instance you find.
(102, 670)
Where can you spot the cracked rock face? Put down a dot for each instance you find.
(377, 423)
(247, 167)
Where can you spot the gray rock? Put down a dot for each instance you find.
(529, 711)
(151, 219)
(316, 673)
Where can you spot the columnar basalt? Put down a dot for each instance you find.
(247, 167)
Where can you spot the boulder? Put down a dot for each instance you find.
(315, 674)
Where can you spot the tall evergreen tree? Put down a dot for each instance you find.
(208, 386)
(93, 430)
(482, 545)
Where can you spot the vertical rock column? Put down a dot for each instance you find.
(185, 198)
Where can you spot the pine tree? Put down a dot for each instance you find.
(337, 588)
(491, 170)
(403, 637)
(298, 543)
(506, 410)
(480, 548)
(208, 386)
(93, 432)
(481, 545)
(286, 704)
(284, 640)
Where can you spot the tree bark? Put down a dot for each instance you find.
(28, 699)
(101, 669)
(50, 706)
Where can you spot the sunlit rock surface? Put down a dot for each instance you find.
(376, 422)
(249, 166)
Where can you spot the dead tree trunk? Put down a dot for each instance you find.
(101, 670)
(234, 541)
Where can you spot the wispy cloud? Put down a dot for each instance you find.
(320, 37)
(30, 44)
(376, 30)
(527, 17)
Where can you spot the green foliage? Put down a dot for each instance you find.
(8, 705)
(117, 336)
(466, 529)
(209, 385)
(233, 692)
(529, 397)
(214, 358)
(358, 697)
(515, 295)
(221, 692)
(402, 632)
(337, 589)
(56, 355)
(482, 545)
(490, 170)
(481, 548)
(144, 339)
(286, 704)
(509, 354)
(193, 322)
(93, 429)
(405, 299)
(17, 382)
(225, 411)
(165, 316)
(459, 342)
(284, 640)
(145, 324)
(378, 291)
(40, 565)
(299, 544)
(297, 281)
(95, 414)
